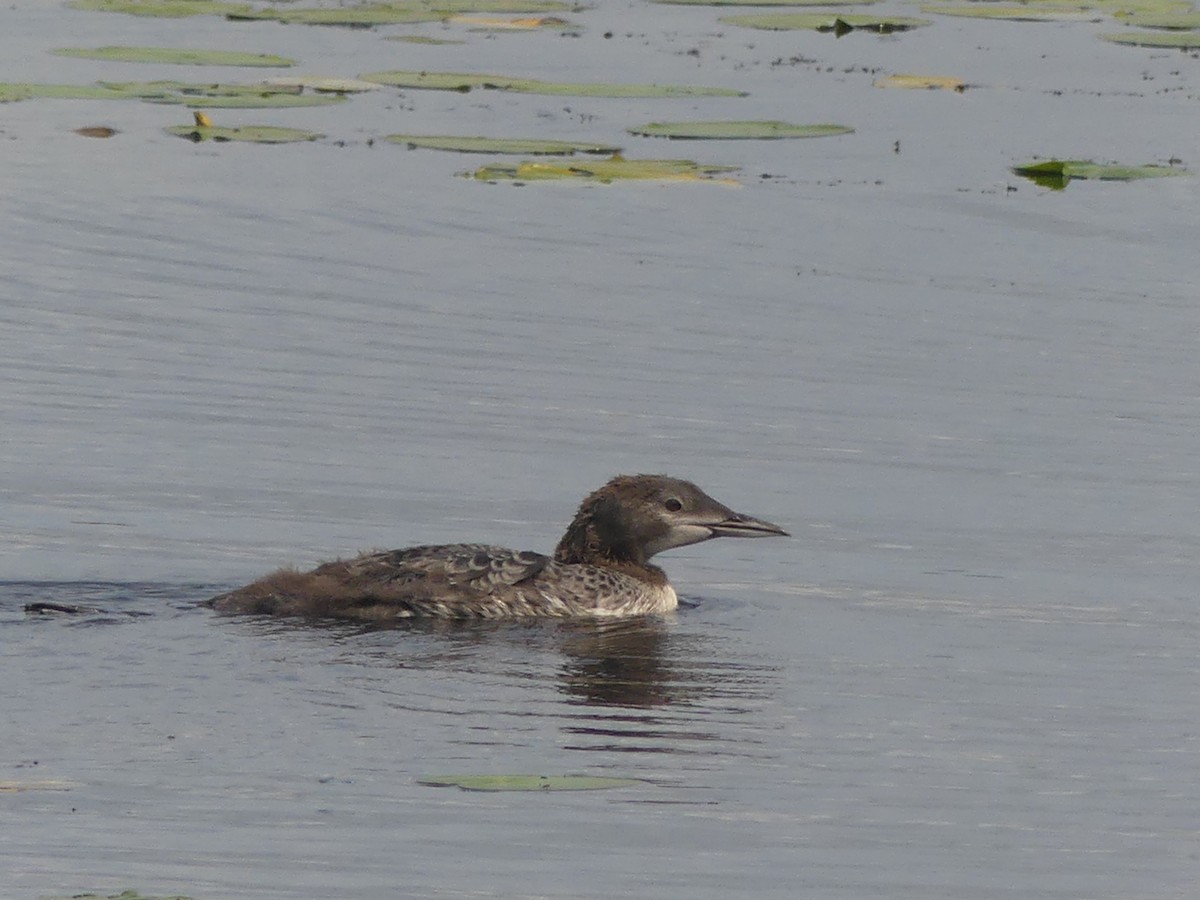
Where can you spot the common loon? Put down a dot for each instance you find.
(599, 568)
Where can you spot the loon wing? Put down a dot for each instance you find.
(450, 580)
(472, 570)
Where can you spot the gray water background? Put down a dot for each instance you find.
(971, 673)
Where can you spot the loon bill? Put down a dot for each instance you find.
(600, 567)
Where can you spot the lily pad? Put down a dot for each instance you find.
(922, 82)
(499, 145)
(395, 11)
(603, 171)
(172, 56)
(263, 95)
(463, 81)
(355, 16)
(1171, 40)
(736, 130)
(11, 92)
(1057, 173)
(254, 134)
(124, 895)
(259, 101)
(529, 782)
(171, 9)
(324, 85)
(837, 23)
(1018, 13)
(1124, 8)
(1180, 21)
(766, 2)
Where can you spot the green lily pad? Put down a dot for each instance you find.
(172, 56)
(499, 145)
(1019, 13)
(463, 81)
(1124, 8)
(171, 9)
(324, 85)
(838, 23)
(257, 101)
(1057, 173)
(1171, 40)
(603, 171)
(394, 12)
(359, 16)
(12, 92)
(766, 130)
(529, 782)
(1180, 21)
(766, 2)
(124, 895)
(262, 95)
(254, 134)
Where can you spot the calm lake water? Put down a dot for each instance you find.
(971, 673)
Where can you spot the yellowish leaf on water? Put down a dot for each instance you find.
(922, 82)
(497, 23)
(604, 171)
(202, 119)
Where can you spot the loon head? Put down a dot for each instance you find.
(634, 517)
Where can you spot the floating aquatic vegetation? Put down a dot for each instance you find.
(172, 9)
(526, 23)
(737, 130)
(264, 95)
(1177, 21)
(124, 895)
(269, 100)
(394, 12)
(766, 2)
(255, 96)
(91, 131)
(174, 56)
(11, 92)
(922, 82)
(253, 134)
(834, 22)
(1025, 12)
(1057, 173)
(529, 782)
(529, 146)
(357, 16)
(1176, 40)
(1124, 8)
(324, 85)
(463, 81)
(45, 784)
(604, 171)
(422, 39)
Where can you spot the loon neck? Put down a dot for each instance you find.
(587, 544)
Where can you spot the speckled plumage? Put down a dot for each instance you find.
(600, 567)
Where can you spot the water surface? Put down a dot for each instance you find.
(972, 672)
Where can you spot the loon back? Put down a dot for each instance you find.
(600, 567)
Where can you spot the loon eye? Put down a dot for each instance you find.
(673, 504)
